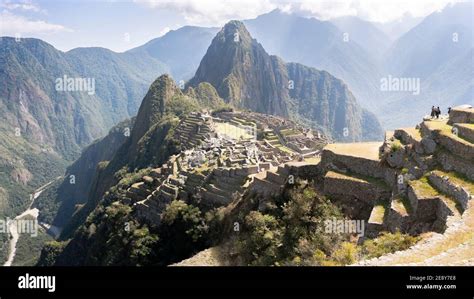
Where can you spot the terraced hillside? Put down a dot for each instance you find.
(419, 181)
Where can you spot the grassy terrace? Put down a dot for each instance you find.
(313, 160)
(469, 127)
(457, 179)
(273, 140)
(414, 133)
(425, 189)
(444, 129)
(232, 131)
(243, 121)
(402, 205)
(450, 241)
(284, 149)
(289, 132)
(359, 178)
(379, 211)
(366, 150)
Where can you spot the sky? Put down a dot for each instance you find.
(120, 25)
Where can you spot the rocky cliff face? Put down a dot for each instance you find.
(247, 77)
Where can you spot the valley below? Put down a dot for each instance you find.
(32, 215)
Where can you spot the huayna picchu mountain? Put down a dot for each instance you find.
(247, 77)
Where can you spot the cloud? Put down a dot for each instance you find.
(212, 12)
(371, 10)
(11, 24)
(22, 5)
(218, 12)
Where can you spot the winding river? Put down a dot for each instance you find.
(34, 212)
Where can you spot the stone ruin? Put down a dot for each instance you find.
(213, 170)
(418, 180)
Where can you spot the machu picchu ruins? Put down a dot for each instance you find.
(223, 156)
(418, 181)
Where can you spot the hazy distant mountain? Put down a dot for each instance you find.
(181, 49)
(433, 42)
(247, 77)
(399, 27)
(365, 33)
(439, 52)
(319, 44)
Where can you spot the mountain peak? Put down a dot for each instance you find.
(234, 33)
(233, 63)
(154, 103)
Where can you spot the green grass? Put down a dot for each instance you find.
(379, 211)
(387, 243)
(289, 132)
(402, 203)
(424, 188)
(396, 146)
(458, 179)
(377, 182)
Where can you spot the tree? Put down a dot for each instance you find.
(181, 232)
